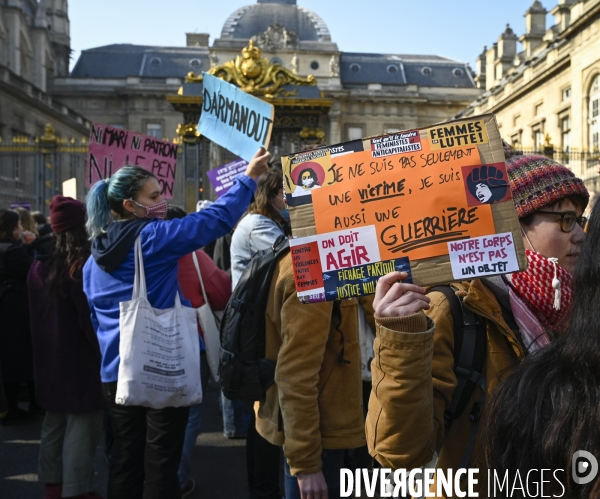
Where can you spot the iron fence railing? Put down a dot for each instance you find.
(33, 170)
(584, 159)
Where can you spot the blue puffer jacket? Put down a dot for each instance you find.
(108, 274)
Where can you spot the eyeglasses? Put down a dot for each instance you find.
(568, 219)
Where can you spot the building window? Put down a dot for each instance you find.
(314, 65)
(566, 94)
(392, 69)
(457, 72)
(565, 138)
(196, 64)
(594, 121)
(515, 140)
(155, 62)
(498, 72)
(537, 109)
(538, 139)
(426, 71)
(355, 68)
(355, 132)
(516, 119)
(565, 133)
(154, 130)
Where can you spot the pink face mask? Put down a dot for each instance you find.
(158, 210)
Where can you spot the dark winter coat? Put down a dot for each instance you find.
(65, 346)
(16, 360)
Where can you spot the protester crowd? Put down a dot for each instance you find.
(527, 398)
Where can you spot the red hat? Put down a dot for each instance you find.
(537, 181)
(66, 213)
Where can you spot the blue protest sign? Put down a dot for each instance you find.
(237, 121)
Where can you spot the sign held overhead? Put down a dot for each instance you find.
(237, 121)
(110, 149)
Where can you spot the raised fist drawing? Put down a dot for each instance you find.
(487, 183)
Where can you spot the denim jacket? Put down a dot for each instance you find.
(254, 233)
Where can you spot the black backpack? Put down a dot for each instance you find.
(245, 373)
(470, 339)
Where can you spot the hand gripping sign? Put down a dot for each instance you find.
(433, 202)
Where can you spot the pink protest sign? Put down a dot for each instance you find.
(110, 149)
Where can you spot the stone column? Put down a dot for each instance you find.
(335, 132)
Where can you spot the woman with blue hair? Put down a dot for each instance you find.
(147, 442)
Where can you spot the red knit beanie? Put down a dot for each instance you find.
(537, 181)
(66, 213)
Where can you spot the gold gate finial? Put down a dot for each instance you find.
(49, 134)
(255, 74)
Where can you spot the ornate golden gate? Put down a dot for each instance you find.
(32, 170)
(299, 109)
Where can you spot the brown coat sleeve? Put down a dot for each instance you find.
(413, 383)
(304, 331)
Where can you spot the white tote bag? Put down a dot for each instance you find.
(159, 349)
(208, 323)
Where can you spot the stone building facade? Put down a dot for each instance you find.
(546, 92)
(126, 85)
(372, 93)
(34, 49)
(42, 140)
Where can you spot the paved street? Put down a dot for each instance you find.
(218, 463)
(219, 468)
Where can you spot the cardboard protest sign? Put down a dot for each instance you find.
(433, 202)
(222, 177)
(237, 121)
(110, 149)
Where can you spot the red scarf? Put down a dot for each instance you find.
(534, 286)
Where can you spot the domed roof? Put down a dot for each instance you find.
(251, 20)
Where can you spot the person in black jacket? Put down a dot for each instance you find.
(66, 356)
(16, 358)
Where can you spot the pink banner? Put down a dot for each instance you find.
(110, 149)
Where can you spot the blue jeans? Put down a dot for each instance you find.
(193, 426)
(236, 417)
(332, 462)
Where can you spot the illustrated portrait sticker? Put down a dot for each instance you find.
(486, 184)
